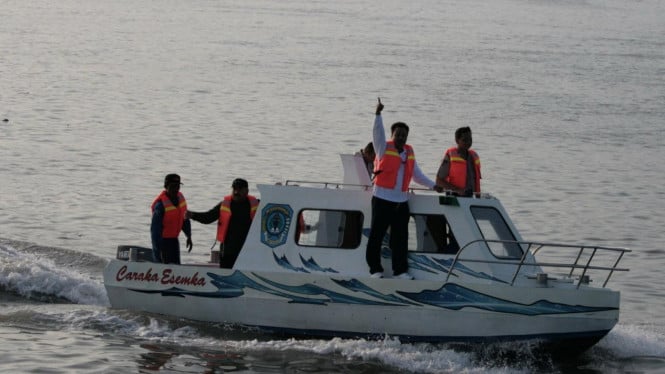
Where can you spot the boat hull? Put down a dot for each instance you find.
(343, 306)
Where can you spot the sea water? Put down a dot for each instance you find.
(100, 99)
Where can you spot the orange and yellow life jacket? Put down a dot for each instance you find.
(388, 167)
(174, 216)
(457, 172)
(225, 214)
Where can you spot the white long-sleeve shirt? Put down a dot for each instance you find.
(395, 194)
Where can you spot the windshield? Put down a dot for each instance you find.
(493, 227)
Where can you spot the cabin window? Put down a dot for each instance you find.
(431, 233)
(493, 227)
(329, 228)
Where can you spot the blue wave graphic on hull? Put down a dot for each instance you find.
(453, 296)
(425, 263)
(449, 296)
(284, 262)
(386, 252)
(242, 281)
(312, 265)
(334, 297)
(358, 286)
(225, 293)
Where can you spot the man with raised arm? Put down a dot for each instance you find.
(395, 168)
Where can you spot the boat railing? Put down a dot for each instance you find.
(586, 258)
(334, 185)
(337, 185)
(453, 194)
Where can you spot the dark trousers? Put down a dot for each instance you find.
(227, 256)
(396, 216)
(170, 251)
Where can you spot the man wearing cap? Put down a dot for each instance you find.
(234, 216)
(168, 219)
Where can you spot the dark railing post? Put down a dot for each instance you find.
(616, 263)
(519, 266)
(586, 267)
(572, 268)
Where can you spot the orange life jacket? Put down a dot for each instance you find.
(388, 167)
(225, 214)
(174, 216)
(457, 172)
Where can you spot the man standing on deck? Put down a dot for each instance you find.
(168, 219)
(396, 165)
(234, 215)
(460, 167)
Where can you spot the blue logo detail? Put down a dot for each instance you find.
(275, 223)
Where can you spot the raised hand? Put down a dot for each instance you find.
(379, 107)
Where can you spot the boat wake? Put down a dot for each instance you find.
(627, 341)
(49, 275)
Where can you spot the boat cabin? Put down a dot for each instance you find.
(319, 227)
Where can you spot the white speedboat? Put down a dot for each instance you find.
(302, 271)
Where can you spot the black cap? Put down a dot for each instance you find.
(239, 183)
(171, 178)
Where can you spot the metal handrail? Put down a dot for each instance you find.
(540, 245)
(335, 185)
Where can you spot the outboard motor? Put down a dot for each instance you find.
(134, 253)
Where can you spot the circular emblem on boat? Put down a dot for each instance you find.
(275, 223)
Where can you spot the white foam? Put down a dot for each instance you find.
(634, 340)
(164, 334)
(421, 358)
(623, 341)
(27, 275)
